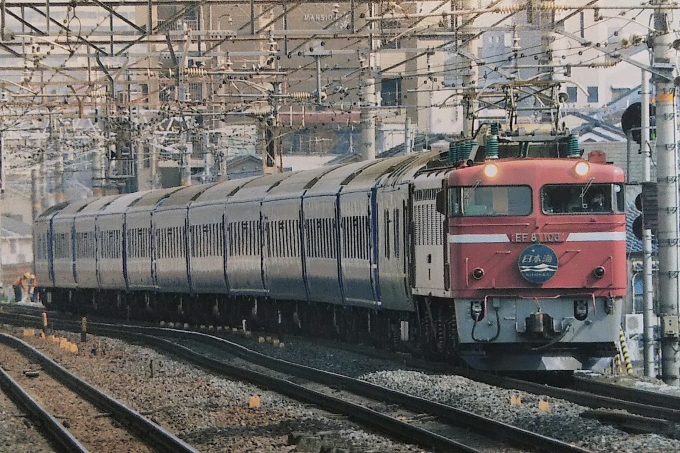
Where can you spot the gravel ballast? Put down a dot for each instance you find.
(210, 413)
(562, 420)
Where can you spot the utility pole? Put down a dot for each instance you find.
(187, 148)
(367, 100)
(470, 75)
(664, 56)
(648, 317)
(35, 194)
(408, 147)
(271, 134)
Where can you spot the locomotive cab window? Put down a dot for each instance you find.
(489, 201)
(582, 198)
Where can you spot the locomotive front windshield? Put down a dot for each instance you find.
(582, 198)
(489, 201)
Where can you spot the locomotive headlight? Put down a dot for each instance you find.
(490, 170)
(478, 273)
(582, 168)
(598, 272)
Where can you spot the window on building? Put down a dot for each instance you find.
(593, 94)
(389, 27)
(390, 91)
(572, 92)
(619, 93)
(195, 91)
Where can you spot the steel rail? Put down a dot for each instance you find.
(636, 395)
(593, 395)
(47, 423)
(582, 391)
(142, 426)
(487, 427)
(367, 417)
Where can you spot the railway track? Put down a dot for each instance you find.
(85, 419)
(594, 394)
(413, 419)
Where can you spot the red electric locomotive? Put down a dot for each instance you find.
(536, 255)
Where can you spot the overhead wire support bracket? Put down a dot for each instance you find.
(587, 43)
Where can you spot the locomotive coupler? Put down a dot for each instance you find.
(540, 324)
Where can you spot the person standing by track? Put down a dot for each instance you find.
(18, 285)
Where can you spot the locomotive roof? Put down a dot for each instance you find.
(121, 203)
(259, 187)
(545, 170)
(183, 197)
(220, 191)
(331, 182)
(298, 182)
(151, 199)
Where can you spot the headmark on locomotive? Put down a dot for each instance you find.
(507, 252)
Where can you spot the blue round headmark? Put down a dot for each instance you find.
(537, 263)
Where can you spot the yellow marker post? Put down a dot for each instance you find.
(44, 322)
(254, 402)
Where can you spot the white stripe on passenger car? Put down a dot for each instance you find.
(477, 238)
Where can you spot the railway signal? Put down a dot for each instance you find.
(646, 202)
